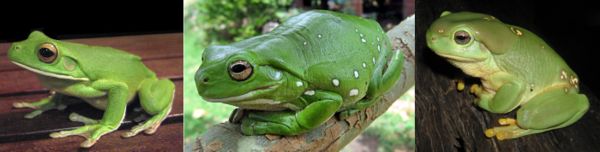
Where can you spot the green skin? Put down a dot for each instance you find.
(104, 77)
(303, 72)
(516, 68)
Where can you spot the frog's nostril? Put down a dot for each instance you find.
(205, 80)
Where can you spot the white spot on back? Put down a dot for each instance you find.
(563, 75)
(319, 35)
(355, 74)
(335, 82)
(299, 83)
(364, 65)
(363, 40)
(377, 39)
(361, 35)
(305, 43)
(353, 92)
(355, 30)
(373, 60)
(379, 48)
(277, 75)
(309, 92)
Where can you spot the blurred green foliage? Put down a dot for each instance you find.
(234, 20)
(395, 129)
(197, 117)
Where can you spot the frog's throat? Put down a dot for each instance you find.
(50, 74)
(243, 97)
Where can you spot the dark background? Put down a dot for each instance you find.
(448, 120)
(81, 19)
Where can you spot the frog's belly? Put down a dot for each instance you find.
(100, 102)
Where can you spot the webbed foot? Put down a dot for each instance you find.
(91, 132)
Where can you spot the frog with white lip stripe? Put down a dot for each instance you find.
(299, 75)
(104, 77)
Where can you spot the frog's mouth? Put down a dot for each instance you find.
(246, 96)
(459, 58)
(58, 76)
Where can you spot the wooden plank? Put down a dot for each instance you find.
(163, 140)
(27, 81)
(16, 127)
(148, 47)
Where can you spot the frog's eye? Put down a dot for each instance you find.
(462, 37)
(240, 70)
(47, 53)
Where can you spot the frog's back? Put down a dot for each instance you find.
(116, 64)
(537, 63)
(337, 52)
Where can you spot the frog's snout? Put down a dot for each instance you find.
(431, 39)
(16, 47)
(13, 50)
(202, 80)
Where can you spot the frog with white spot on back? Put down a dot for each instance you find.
(516, 68)
(299, 75)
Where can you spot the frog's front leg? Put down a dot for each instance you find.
(547, 111)
(113, 115)
(316, 113)
(506, 98)
(156, 97)
(48, 103)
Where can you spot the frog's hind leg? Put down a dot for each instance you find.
(385, 78)
(156, 97)
(382, 81)
(548, 111)
(43, 105)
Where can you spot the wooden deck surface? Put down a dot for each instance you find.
(162, 53)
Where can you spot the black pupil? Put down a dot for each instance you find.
(462, 37)
(238, 68)
(45, 52)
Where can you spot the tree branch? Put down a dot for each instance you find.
(334, 134)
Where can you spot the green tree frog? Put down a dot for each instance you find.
(302, 73)
(517, 70)
(106, 78)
